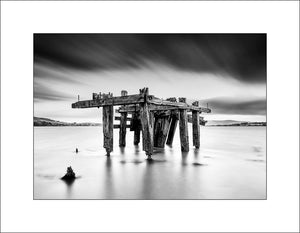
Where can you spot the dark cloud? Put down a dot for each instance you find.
(46, 70)
(242, 56)
(42, 93)
(226, 105)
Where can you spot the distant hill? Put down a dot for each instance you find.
(40, 121)
(234, 123)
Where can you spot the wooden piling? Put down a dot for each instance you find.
(183, 128)
(122, 132)
(147, 124)
(196, 129)
(136, 136)
(161, 129)
(136, 122)
(123, 121)
(173, 123)
(173, 126)
(196, 126)
(143, 106)
(108, 126)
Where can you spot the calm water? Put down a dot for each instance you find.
(231, 164)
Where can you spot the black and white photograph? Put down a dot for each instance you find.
(150, 116)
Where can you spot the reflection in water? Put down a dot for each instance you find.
(196, 153)
(69, 184)
(134, 161)
(109, 191)
(227, 169)
(136, 150)
(122, 150)
(147, 181)
(184, 156)
(199, 164)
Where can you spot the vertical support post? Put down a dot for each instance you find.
(136, 128)
(173, 126)
(196, 126)
(183, 128)
(156, 130)
(161, 129)
(108, 125)
(137, 136)
(147, 124)
(123, 122)
(167, 121)
(122, 132)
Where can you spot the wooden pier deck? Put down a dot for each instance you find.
(156, 118)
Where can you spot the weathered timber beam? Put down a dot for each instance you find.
(168, 112)
(153, 107)
(111, 101)
(179, 105)
(163, 105)
(133, 108)
(162, 113)
(118, 118)
(118, 126)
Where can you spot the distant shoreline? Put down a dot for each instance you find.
(46, 122)
(245, 124)
(236, 125)
(78, 125)
(42, 122)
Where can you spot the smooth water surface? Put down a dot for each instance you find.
(230, 164)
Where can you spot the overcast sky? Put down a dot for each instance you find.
(227, 71)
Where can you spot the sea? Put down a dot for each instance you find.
(230, 164)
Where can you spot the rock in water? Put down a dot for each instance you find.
(70, 175)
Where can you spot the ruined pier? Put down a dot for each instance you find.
(155, 118)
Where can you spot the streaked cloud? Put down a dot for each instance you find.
(43, 93)
(241, 56)
(195, 66)
(238, 106)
